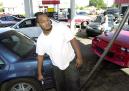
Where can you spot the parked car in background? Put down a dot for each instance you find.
(118, 53)
(114, 11)
(98, 21)
(19, 16)
(80, 18)
(77, 20)
(82, 13)
(6, 21)
(94, 27)
(28, 27)
(18, 66)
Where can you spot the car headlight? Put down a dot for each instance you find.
(124, 49)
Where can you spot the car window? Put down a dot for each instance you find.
(2, 64)
(82, 13)
(10, 18)
(3, 18)
(98, 19)
(28, 23)
(18, 44)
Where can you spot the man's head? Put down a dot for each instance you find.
(105, 13)
(44, 21)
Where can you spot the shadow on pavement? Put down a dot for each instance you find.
(108, 77)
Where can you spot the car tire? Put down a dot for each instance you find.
(19, 84)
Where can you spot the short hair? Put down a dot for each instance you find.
(38, 14)
(105, 13)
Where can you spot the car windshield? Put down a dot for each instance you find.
(98, 19)
(17, 43)
(111, 11)
(82, 13)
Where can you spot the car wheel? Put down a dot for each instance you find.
(21, 84)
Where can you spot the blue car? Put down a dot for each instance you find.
(18, 66)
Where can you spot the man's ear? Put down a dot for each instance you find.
(38, 24)
(51, 21)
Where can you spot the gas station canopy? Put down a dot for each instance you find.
(50, 1)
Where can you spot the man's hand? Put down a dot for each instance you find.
(78, 62)
(40, 77)
(76, 48)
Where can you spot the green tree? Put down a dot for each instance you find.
(97, 3)
(93, 2)
(81, 8)
(115, 5)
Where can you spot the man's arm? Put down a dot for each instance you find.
(40, 59)
(76, 48)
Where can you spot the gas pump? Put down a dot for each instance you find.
(63, 14)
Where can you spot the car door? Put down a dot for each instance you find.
(29, 28)
(3, 69)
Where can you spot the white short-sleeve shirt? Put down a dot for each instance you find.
(57, 45)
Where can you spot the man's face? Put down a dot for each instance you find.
(44, 22)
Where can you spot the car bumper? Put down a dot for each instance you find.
(112, 56)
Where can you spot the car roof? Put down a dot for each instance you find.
(2, 30)
(31, 18)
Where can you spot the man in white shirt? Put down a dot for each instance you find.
(105, 22)
(59, 43)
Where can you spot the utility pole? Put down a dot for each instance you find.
(73, 8)
(28, 8)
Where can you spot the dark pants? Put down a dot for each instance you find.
(68, 79)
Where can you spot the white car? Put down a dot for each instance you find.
(8, 20)
(77, 20)
(28, 26)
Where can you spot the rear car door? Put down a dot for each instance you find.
(29, 28)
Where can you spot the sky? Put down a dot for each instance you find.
(81, 2)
